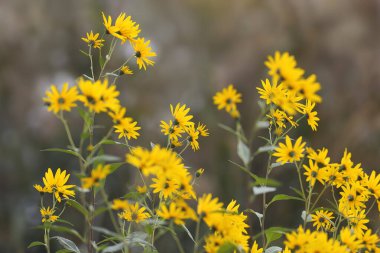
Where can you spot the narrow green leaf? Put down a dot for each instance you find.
(101, 61)
(67, 244)
(83, 52)
(113, 248)
(105, 231)
(258, 190)
(189, 234)
(227, 248)
(265, 182)
(103, 158)
(100, 210)
(273, 249)
(243, 152)
(283, 197)
(63, 251)
(67, 151)
(115, 166)
(36, 243)
(77, 206)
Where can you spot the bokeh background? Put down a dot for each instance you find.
(202, 46)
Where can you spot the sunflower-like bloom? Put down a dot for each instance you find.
(135, 213)
(97, 175)
(172, 212)
(283, 66)
(312, 119)
(117, 114)
(47, 215)
(57, 101)
(287, 152)
(353, 197)
(165, 186)
(127, 128)
(173, 131)
(208, 207)
(193, 137)
(120, 204)
(124, 28)
(323, 219)
(313, 173)
(181, 117)
(92, 40)
(125, 70)
(56, 184)
(91, 96)
(228, 99)
(349, 239)
(143, 53)
(272, 93)
(308, 88)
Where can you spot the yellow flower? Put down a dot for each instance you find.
(61, 101)
(164, 185)
(135, 213)
(120, 204)
(193, 137)
(288, 152)
(47, 215)
(351, 198)
(271, 93)
(322, 219)
(142, 189)
(181, 117)
(56, 184)
(350, 239)
(92, 95)
(110, 29)
(174, 212)
(117, 114)
(283, 66)
(228, 99)
(127, 28)
(207, 206)
(174, 131)
(313, 173)
(125, 70)
(92, 40)
(97, 174)
(372, 183)
(127, 128)
(308, 88)
(312, 119)
(203, 131)
(255, 248)
(369, 241)
(143, 53)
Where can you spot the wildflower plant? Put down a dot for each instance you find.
(164, 199)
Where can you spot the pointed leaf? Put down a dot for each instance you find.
(77, 206)
(67, 244)
(36, 243)
(283, 197)
(243, 152)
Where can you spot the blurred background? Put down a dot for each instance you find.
(202, 46)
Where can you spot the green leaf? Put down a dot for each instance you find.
(273, 249)
(101, 61)
(112, 142)
(77, 206)
(265, 182)
(105, 231)
(113, 248)
(265, 149)
(189, 234)
(262, 189)
(36, 243)
(63, 251)
(67, 151)
(227, 248)
(115, 166)
(103, 158)
(274, 233)
(61, 229)
(83, 52)
(283, 197)
(100, 210)
(67, 244)
(243, 152)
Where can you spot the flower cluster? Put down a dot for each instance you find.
(181, 124)
(165, 200)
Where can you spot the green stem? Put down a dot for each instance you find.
(175, 237)
(91, 62)
(112, 217)
(197, 229)
(108, 56)
(67, 129)
(47, 240)
(319, 196)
